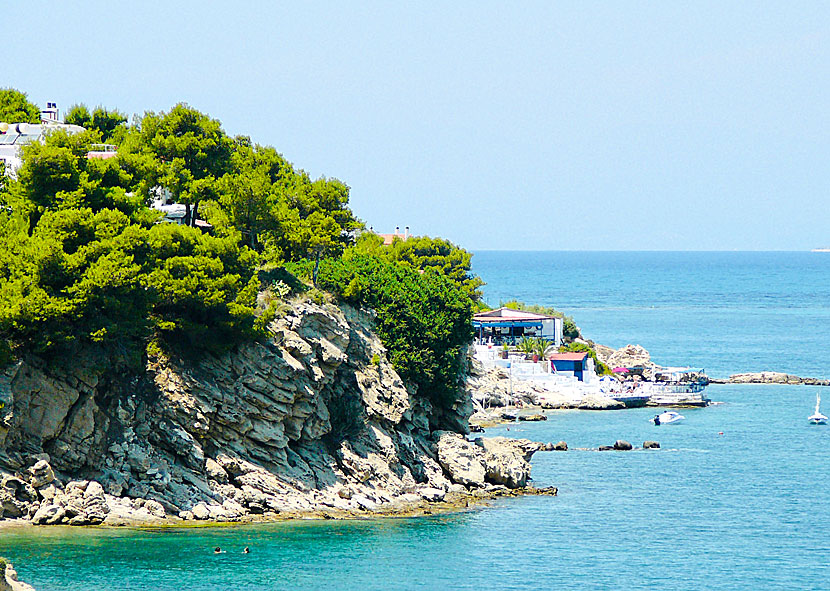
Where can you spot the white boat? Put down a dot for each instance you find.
(667, 418)
(817, 418)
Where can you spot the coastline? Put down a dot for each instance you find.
(452, 503)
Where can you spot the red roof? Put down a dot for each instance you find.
(568, 356)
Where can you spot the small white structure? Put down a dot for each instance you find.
(13, 136)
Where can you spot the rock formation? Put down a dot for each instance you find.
(770, 377)
(313, 420)
(8, 579)
(628, 356)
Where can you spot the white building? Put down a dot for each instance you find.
(13, 136)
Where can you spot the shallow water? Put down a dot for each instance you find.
(707, 511)
(740, 510)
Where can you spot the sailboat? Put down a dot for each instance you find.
(817, 418)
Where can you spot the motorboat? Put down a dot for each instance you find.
(667, 418)
(817, 418)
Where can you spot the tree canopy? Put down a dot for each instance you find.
(85, 259)
(105, 122)
(16, 108)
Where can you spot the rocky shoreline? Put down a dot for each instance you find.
(313, 423)
(769, 377)
(8, 578)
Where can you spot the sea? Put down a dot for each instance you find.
(736, 498)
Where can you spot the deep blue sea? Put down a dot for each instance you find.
(737, 498)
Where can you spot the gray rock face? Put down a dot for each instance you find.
(592, 402)
(651, 445)
(772, 377)
(304, 422)
(622, 445)
(507, 461)
(9, 580)
(463, 460)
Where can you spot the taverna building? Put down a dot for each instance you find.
(507, 326)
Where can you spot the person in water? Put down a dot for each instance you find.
(656, 419)
(246, 551)
(218, 550)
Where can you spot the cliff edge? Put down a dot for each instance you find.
(314, 420)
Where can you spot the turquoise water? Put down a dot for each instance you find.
(724, 311)
(745, 509)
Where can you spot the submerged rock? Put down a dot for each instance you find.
(651, 445)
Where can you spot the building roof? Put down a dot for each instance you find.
(568, 356)
(509, 315)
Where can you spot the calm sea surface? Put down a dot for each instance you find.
(745, 509)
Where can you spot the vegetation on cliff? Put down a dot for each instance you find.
(84, 258)
(423, 315)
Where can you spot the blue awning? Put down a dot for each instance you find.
(479, 324)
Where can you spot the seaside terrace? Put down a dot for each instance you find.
(507, 326)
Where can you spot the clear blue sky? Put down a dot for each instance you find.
(530, 125)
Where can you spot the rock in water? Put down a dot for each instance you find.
(560, 446)
(651, 445)
(622, 445)
(463, 460)
(595, 402)
(533, 417)
(507, 461)
(8, 578)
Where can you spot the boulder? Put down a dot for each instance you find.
(651, 445)
(48, 514)
(432, 495)
(9, 580)
(41, 474)
(507, 461)
(462, 460)
(622, 445)
(599, 402)
(606, 448)
(560, 446)
(533, 417)
(200, 511)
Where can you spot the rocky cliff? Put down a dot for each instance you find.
(313, 420)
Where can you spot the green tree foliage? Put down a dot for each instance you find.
(423, 318)
(570, 330)
(423, 252)
(87, 276)
(204, 287)
(16, 108)
(101, 120)
(58, 175)
(279, 211)
(183, 150)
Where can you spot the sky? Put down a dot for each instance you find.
(510, 126)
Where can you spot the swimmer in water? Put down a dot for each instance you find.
(246, 551)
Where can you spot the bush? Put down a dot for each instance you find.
(423, 318)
